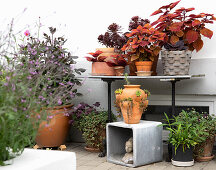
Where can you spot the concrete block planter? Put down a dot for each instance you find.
(147, 142)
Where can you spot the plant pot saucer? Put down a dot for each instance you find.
(180, 163)
(92, 149)
(204, 159)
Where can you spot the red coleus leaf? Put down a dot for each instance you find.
(192, 36)
(206, 32)
(144, 43)
(165, 6)
(172, 5)
(101, 58)
(135, 46)
(198, 44)
(196, 22)
(96, 54)
(179, 33)
(91, 59)
(180, 10)
(189, 9)
(156, 12)
(213, 18)
(176, 26)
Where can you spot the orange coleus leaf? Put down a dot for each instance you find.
(189, 9)
(129, 34)
(172, 5)
(213, 18)
(141, 49)
(146, 31)
(179, 33)
(174, 39)
(156, 51)
(191, 36)
(206, 32)
(134, 57)
(147, 25)
(198, 44)
(134, 41)
(135, 46)
(139, 28)
(124, 47)
(156, 12)
(141, 37)
(176, 26)
(196, 22)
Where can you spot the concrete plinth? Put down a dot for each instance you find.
(147, 142)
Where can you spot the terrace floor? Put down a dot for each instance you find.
(91, 161)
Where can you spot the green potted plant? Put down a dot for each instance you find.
(53, 77)
(131, 101)
(92, 124)
(203, 150)
(183, 35)
(144, 45)
(183, 136)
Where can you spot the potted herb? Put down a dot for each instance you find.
(99, 65)
(143, 46)
(131, 101)
(53, 77)
(183, 34)
(92, 124)
(203, 150)
(118, 62)
(183, 136)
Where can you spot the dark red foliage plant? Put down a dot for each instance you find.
(117, 60)
(95, 57)
(181, 26)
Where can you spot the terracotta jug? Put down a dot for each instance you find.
(132, 102)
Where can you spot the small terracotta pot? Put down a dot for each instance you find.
(53, 133)
(92, 149)
(204, 159)
(132, 109)
(144, 65)
(119, 70)
(102, 69)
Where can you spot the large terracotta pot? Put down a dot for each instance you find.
(131, 104)
(204, 150)
(53, 133)
(102, 69)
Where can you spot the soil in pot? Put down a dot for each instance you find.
(54, 132)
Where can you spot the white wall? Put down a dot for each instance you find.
(81, 21)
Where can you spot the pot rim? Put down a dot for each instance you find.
(132, 86)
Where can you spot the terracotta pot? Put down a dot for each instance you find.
(106, 50)
(102, 69)
(131, 105)
(203, 151)
(119, 70)
(92, 149)
(144, 65)
(53, 133)
(144, 73)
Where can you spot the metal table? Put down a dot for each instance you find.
(172, 79)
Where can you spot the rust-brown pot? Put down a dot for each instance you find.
(53, 133)
(131, 105)
(119, 70)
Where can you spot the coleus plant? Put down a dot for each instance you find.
(144, 43)
(96, 57)
(181, 26)
(117, 60)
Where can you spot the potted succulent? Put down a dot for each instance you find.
(54, 78)
(131, 101)
(183, 35)
(99, 65)
(118, 62)
(92, 124)
(183, 136)
(143, 45)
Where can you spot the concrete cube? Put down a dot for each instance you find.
(147, 142)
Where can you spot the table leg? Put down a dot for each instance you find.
(109, 119)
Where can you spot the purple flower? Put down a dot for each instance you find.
(27, 116)
(69, 83)
(29, 77)
(38, 116)
(50, 117)
(7, 78)
(24, 109)
(23, 100)
(61, 84)
(59, 101)
(5, 84)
